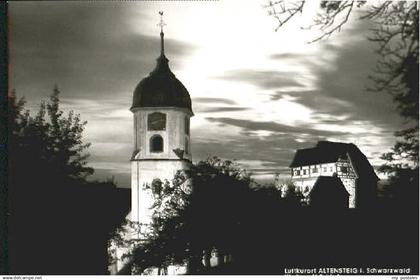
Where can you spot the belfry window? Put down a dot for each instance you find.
(156, 144)
(156, 121)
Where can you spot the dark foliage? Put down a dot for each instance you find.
(306, 238)
(263, 233)
(186, 221)
(59, 223)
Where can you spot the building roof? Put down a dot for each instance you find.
(161, 88)
(328, 152)
(326, 184)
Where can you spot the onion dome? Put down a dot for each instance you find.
(161, 88)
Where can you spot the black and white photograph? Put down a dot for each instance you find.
(218, 137)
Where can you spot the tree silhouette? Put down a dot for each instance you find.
(215, 206)
(186, 222)
(59, 223)
(212, 207)
(49, 138)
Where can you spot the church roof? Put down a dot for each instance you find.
(329, 152)
(161, 88)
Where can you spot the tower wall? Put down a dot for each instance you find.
(174, 136)
(148, 165)
(144, 172)
(162, 143)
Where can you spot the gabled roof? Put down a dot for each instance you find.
(327, 184)
(328, 152)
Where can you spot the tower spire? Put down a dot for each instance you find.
(161, 24)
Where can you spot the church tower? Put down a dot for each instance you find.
(162, 110)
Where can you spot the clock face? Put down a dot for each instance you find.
(156, 121)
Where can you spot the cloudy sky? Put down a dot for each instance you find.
(258, 95)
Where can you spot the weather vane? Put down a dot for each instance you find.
(161, 23)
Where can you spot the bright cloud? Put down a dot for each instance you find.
(257, 95)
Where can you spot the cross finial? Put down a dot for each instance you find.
(161, 23)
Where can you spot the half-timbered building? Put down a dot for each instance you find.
(342, 160)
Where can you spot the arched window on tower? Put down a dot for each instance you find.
(187, 145)
(156, 144)
(156, 121)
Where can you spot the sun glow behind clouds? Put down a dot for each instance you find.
(252, 89)
(230, 36)
(283, 111)
(235, 35)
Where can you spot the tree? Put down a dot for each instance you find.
(212, 207)
(289, 191)
(396, 25)
(186, 219)
(47, 144)
(53, 228)
(257, 230)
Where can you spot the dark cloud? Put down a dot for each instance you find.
(221, 109)
(213, 100)
(206, 105)
(247, 148)
(272, 153)
(304, 57)
(275, 151)
(340, 98)
(91, 51)
(318, 101)
(282, 56)
(290, 57)
(342, 85)
(77, 46)
(252, 126)
(347, 81)
(263, 79)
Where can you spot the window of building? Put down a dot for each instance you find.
(156, 144)
(297, 172)
(187, 146)
(331, 169)
(324, 169)
(156, 121)
(187, 125)
(314, 170)
(304, 172)
(344, 169)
